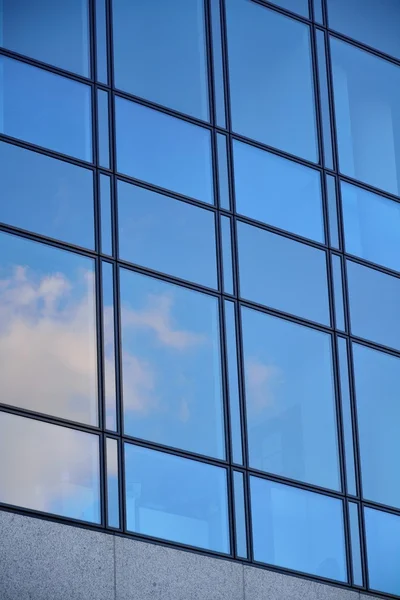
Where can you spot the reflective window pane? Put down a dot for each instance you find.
(105, 214)
(383, 550)
(283, 274)
(346, 415)
(290, 399)
(269, 51)
(297, 529)
(277, 191)
(103, 129)
(46, 196)
(320, 39)
(176, 499)
(240, 514)
(171, 365)
(331, 197)
(112, 483)
(110, 398)
(367, 107)
(163, 150)
(52, 32)
(45, 109)
(371, 226)
(223, 181)
(354, 520)
(227, 264)
(231, 341)
(160, 53)
(377, 389)
(296, 6)
(49, 468)
(336, 262)
(167, 235)
(218, 64)
(47, 330)
(374, 300)
(101, 41)
(372, 22)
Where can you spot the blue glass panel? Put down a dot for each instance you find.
(355, 544)
(110, 399)
(378, 413)
(223, 181)
(277, 191)
(49, 468)
(371, 22)
(383, 550)
(163, 150)
(160, 54)
(227, 254)
(290, 399)
(367, 108)
(346, 416)
(371, 226)
(45, 109)
(374, 299)
(296, 6)
(271, 52)
(318, 13)
(293, 274)
(324, 99)
(47, 330)
(240, 515)
(46, 196)
(298, 530)
(105, 214)
(112, 483)
(171, 365)
(176, 499)
(103, 129)
(101, 41)
(167, 235)
(52, 32)
(338, 291)
(233, 381)
(219, 80)
(332, 211)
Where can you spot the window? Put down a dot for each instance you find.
(383, 548)
(176, 499)
(47, 330)
(49, 468)
(271, 81)
(290, 400)
(160, 52)
(45, 109)
(297, 529)
(171, 365)
(296, 6)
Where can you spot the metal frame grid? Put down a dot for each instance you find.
(218, 211)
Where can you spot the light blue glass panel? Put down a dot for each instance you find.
(374, 299)
(103, 129)
(49, 468)
(346, 416)
(297, 529)
(110, 398)
(223, 180)
(46, 196)
(167, 235)
(171, 365)
(105, 214)
(160, 52)
(271, 78)
(47, 330)
(240, 515)
(332, 211)
(101, 42)
(378, 413)
(176, 498)
(219, 80)
(318, 13)
(296, 6)
(277, 191)
(367, 109)
(227, 254)
(233, 382)
(383, 550)
(55, 32)
(371, 226)
(45, 109)
(338, 291)
(324, 98)
(355, 543)
(372, 22)
(163, 150)
(290, 400)
(283, 274)
(112, 483)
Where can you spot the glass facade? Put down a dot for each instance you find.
(200, 276)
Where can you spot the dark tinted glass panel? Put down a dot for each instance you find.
(47, 330)
(240, 514)
(45, 109)
(269, 51)
(110, 400)
(383, 550)
(371, 226)
(378, 412)
(355, 543)
(112, 483)
(46, 196)
(49, 468)
(163, 150)
(283, 274)
(171, 365)
(374, 299)
(55, 32)
(367, 107)
(290, 398)
(159, 52)
(167, 235)
(277, 191)
(298, 530)
(296, 6)
(373, 22)
(176, 499)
